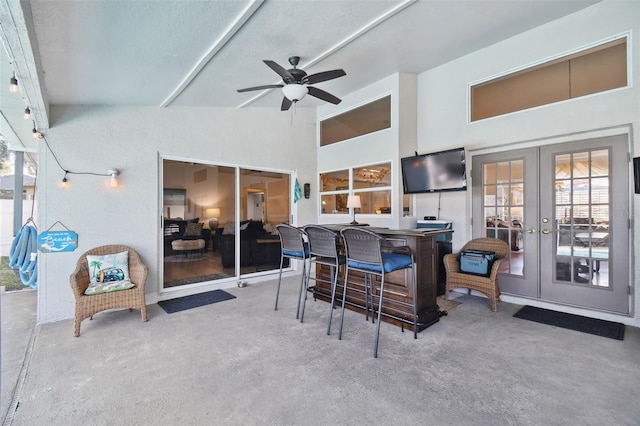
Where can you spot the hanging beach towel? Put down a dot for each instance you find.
(297, 193)
(24, 254)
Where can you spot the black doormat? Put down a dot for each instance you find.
(194, 301)
(612, 330)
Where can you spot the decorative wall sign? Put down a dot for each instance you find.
(57, 241)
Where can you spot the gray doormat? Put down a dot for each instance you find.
(194, 301)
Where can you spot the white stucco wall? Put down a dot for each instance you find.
(95, 139)
(98, 138)
(443, 101)
(381, 146)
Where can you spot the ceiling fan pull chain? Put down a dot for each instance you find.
(291, 114)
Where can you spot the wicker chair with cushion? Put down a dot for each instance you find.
(88, 305)
(485, 285)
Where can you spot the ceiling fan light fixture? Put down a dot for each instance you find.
(295, 92)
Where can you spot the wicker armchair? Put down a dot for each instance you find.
(87, 306)
(485, 285)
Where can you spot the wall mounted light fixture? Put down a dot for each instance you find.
(13, 84)
(114, 177)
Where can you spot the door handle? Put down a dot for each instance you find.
(545, 231)
(531, 230)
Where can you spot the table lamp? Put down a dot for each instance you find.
(354, 202)
(213, 214)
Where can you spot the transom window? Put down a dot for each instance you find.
(598, 69)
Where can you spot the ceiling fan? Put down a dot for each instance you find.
(296, 83)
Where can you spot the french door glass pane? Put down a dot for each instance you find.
(489, 173)
(563, 166)
(582, 218)
(503, 190)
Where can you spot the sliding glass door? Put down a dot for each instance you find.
(197, 199)
(264, 203)
(218, 222)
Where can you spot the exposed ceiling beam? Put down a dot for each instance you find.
(368, 27)
(17, 34)
(235, 26)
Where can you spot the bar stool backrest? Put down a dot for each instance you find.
(362, 245)
(322, 241)
(292, 240)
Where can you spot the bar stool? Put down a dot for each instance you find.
(372, 254)
(323, 251)
(292, 246)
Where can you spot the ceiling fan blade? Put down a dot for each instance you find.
(286, 104)
(325, 96)
(268, 86)
(324, 76)
(286, 75)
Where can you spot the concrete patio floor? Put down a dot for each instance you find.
(239, 362)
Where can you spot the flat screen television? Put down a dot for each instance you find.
(434, 172)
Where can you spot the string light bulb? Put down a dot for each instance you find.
(13, 84)
(27, 113)
(37, 134)
(64, 180)
(114, 177)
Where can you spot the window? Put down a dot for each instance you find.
(359, 121)
(594, 70)
(372, 183)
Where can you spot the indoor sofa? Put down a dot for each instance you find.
(252, 251)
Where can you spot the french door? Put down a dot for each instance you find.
(564, 211)
(505, 206)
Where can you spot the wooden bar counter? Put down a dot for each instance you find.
(397, 284)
